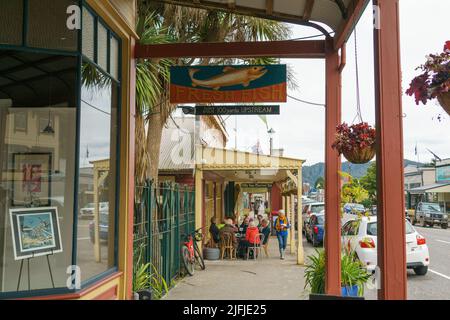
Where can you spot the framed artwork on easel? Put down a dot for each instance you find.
(32, 179)
(35, 232)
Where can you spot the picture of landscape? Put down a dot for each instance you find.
(36, 231)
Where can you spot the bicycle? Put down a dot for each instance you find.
(190, 252)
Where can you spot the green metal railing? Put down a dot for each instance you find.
(163, 215)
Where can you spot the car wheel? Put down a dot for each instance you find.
(421, 271)
(444, 226)
(422, 222)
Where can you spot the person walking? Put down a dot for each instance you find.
(281, 226)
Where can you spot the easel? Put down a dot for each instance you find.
(28, 271)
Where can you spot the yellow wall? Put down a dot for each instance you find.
(120, 15)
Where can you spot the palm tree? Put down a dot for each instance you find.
(160, 23)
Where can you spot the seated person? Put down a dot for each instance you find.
(251, 239)
(265, 230)
(251, 236)
(230, 229)
(214, 230)
(244, 225)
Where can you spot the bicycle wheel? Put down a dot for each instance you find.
(188, 264)
(198, 257)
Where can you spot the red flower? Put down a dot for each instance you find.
(447, 45)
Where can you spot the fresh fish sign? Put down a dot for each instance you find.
(228, 84)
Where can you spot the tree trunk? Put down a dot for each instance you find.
(155, 128)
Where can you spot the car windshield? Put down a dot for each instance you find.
(434, 207)
(317, 208)
(104, 219)
(372, 228)
(320, 219)
(356, 206)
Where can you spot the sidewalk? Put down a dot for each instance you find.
(263, 279)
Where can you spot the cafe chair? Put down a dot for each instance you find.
(227, 246)
(265, 246)
(255, 248)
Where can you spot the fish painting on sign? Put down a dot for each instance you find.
(228, 84)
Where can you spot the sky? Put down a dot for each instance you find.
(300, 128)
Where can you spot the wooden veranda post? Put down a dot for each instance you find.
(389, 125)
(300, 254)
(332, 242)
(292, 221)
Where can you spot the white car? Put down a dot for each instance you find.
(361, 236)
(88, 210)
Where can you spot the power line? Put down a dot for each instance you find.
(307, 102)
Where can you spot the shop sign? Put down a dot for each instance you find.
(443, 173)
(228, 84)
(237, 110)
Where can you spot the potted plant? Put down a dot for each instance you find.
(434, 81)
(353, 275)
(142, 282)
(356, 142)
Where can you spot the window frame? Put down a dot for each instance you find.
(24, 47)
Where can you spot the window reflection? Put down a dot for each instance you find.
(98, 149)
(36, 170)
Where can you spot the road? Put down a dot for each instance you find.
(435, 285)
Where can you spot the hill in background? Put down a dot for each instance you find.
(311, 173)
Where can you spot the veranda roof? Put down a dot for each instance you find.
(338, 15)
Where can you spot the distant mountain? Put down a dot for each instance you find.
(311, 173)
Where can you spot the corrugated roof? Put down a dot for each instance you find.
(430, 188)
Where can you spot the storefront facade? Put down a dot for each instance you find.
(66, 87)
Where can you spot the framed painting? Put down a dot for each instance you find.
(35, 232)
(32, 179)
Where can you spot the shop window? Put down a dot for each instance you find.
(11, 22)
(102, 47)
(37, 171)
(47, 25)
(98, 135)
(115, 55)
(88, 33)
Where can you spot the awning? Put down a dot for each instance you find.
(431, 188)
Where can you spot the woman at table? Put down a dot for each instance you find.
(252, 238)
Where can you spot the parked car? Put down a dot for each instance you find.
(351, 211)
(103, 227)
(88, 210)
(308, 210)
(428, 213)
(315, 229)
(360, 236)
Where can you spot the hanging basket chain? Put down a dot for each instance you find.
(358, 98)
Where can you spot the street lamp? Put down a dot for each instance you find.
(271, 133)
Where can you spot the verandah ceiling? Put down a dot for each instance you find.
(332, 13)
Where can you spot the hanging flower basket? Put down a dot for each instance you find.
(444, 100)
(434, 82)
(359, 156)
(356, 142)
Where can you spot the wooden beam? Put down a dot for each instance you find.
(390, 179)
(332, 243)
(291, 176)
(354, 11)
(275, 49)
(343, 61)
(269, 7)
(309, 5)
(300, 251)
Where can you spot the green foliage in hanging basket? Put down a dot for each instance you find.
(356, 142)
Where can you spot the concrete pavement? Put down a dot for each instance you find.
(263, 279)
